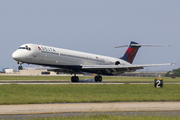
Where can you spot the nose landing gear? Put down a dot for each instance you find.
(20, 67)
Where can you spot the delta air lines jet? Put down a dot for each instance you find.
(74, 62)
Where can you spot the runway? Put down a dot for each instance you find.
(89, 107)
(88, 81)
(58, 115)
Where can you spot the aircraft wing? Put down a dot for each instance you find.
(100, 67)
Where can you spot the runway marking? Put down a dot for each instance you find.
(77, 83)
(57, 83)
(65, 82)
(89, 107)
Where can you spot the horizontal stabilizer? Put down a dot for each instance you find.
(150, 45)
(121, 46)
(139, 45)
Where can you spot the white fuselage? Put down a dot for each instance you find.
(60, 58)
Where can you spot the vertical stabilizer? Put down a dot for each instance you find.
(131, 52)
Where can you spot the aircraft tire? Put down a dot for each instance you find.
(20, 68)
(98, 78)
(77, 78)
(74, 79)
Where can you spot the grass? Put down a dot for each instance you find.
(68, 78)
(75, 93)
(35, 77)
(111, 117)
(101, 117)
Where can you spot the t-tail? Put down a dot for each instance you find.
(133, 49)
(131, 52)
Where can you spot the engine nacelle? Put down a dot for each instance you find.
(117, 63)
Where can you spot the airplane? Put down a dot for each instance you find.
(74, 62)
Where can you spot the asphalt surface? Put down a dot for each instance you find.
(88, 81)
(75, 109)
(57, 115)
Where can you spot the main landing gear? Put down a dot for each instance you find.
(74, 78)
(98, 78)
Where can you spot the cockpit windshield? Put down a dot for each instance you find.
(27, 48)
(22, 48)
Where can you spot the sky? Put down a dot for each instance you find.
(93, 26)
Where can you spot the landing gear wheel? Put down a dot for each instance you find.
(74, 79)
(20, 68)
(98, 78)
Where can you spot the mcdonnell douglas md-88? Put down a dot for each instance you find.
(74, 62)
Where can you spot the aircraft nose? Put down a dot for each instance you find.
(17, 56)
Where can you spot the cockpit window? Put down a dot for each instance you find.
(22, 48)
(27, 48)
